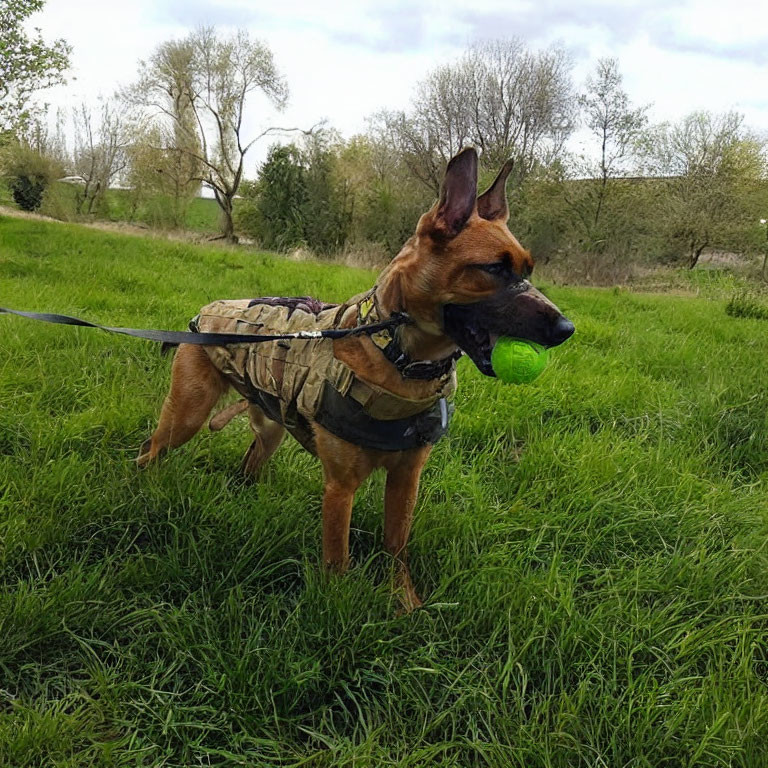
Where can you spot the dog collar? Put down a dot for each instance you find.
(387, 341)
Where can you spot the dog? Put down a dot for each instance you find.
(364, 402)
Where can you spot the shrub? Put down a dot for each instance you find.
(29, 174)
(388, 215)
(161, 211)
(272, 208)
(60, 201)
(747, 304)
(327, 210)
(297, 201)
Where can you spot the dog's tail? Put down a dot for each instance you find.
(223, 417)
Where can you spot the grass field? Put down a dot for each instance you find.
(202, 216)
(592, 548)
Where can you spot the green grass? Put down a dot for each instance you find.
(202, 215)
(747, 304)
(592, 548)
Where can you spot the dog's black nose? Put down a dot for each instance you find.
(561, 330)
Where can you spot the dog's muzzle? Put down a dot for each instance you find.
(517, 310)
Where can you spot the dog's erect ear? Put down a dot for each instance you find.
(458, 194)
(492, 204)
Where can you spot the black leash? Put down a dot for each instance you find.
(213, 339)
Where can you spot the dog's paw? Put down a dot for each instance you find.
(144, 456)
(406, 594)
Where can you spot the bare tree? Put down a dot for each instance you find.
(421, 149)
(44, 137)
(616, 125)
(199, 89)
(523, 106)
(100, 143)
(509, 101)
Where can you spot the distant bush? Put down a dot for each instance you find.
(580, 268)
(387, 214)
(29, 174)
(365, 253)
(161, 212)
(327, 209)
(272, 208)
(747, 304)
(60, 201)
(297, 201)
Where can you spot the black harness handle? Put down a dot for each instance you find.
(212, 339)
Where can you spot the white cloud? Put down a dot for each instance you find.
(346, 60)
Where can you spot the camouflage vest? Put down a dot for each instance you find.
(299, 381)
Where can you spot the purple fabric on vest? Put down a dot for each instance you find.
(304, 303)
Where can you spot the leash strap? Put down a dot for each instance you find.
(211, 339)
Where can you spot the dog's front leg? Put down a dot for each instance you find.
(345, 466)
(400, 495)
(337, 514)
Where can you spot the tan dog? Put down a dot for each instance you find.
(364, 402)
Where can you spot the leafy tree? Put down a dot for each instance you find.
(27, 63)
(198, 89)
(163, 166)
(160, 185)
(327, 208)
(709, 170)
(385, 201)
(301, 198)
(273, 208)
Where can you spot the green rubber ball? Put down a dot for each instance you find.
(516, 361)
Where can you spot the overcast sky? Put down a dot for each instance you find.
(345, 60)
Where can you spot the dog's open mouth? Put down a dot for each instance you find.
(462, 325)
(520, 314)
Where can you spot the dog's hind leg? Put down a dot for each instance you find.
(223, 417)
(196, 386)
(267, 436)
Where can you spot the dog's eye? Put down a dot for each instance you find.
(499, 269)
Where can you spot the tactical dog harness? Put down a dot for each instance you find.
(301, 381)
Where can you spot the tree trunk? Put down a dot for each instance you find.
(600, 196)
(694, 257)
(83, 197)
(227, 223)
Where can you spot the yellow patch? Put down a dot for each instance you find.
(366, 307)
(381, 339)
